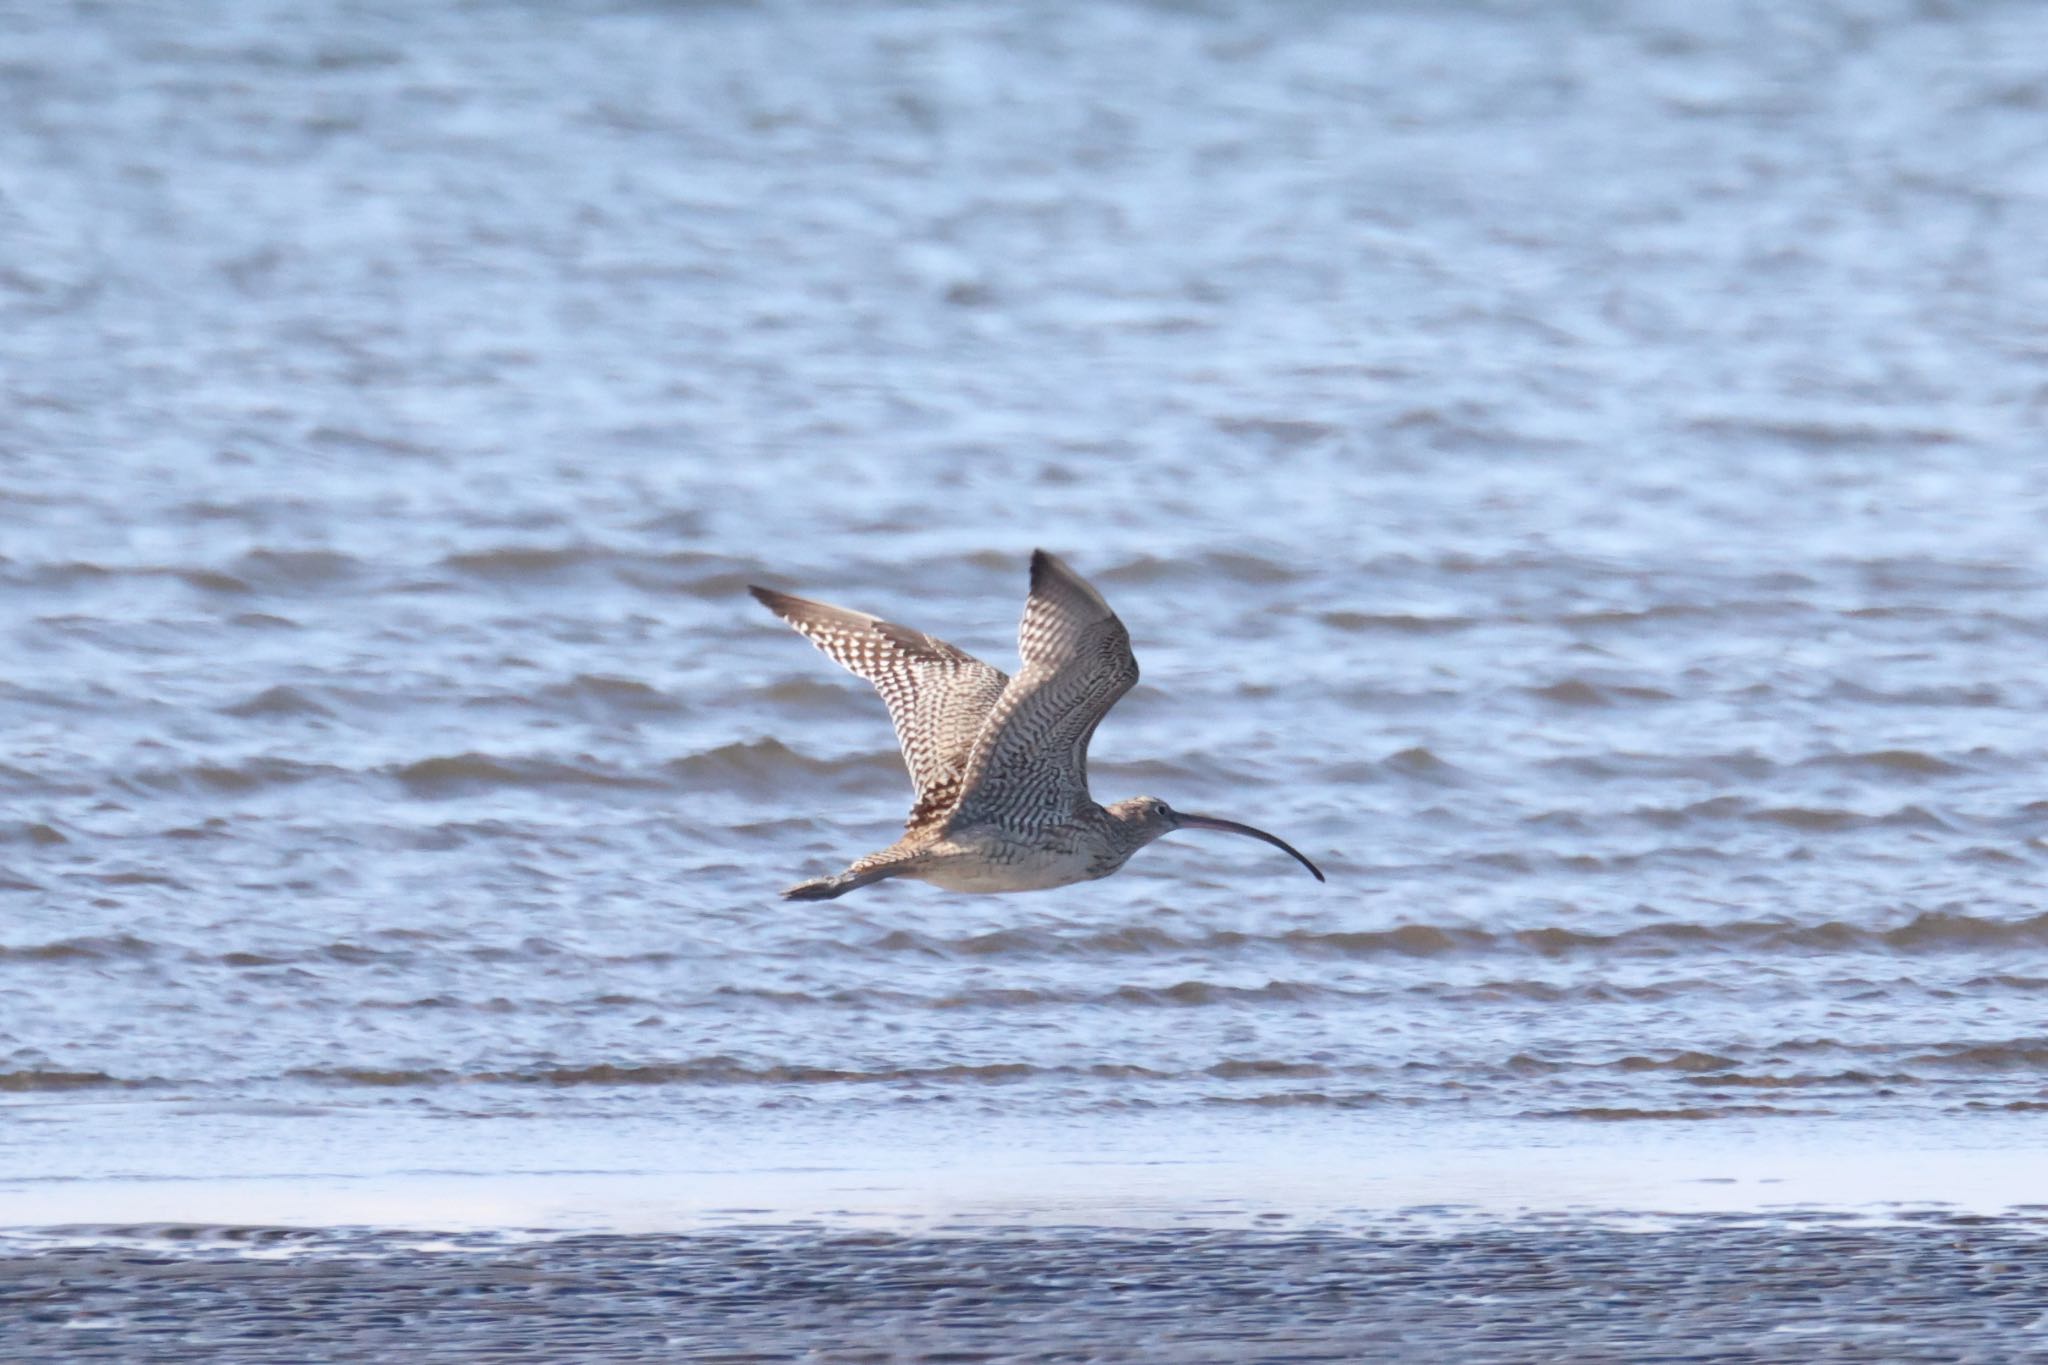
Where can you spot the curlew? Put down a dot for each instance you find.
(1000, 764)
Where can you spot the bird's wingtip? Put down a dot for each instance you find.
(1045, 562)
(1053, 576)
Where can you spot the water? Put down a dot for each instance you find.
(1572, 470)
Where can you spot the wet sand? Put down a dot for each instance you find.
(1677, 1244)
(1932, 1286)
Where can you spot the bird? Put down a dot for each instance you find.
(1000, 763)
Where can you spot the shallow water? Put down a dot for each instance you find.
(1573, 472)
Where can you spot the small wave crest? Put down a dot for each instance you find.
(1687, 1113)
(1888, 763)
(280, 700)
(771, 761)
(1414, 764)
(1395, 623)
(1584, 692)
(455, 774)
(1234, 566)
(1804, 818)
(717, 1071)
(687, 572)
(230, 778)
(92, 948)
(1928, 931)
(38, 1081)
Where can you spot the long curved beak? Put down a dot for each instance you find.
(1232, 827)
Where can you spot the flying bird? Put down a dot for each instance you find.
(1000, 764)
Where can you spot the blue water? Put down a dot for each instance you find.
(1574, 472)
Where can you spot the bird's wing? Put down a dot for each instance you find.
(1030, 763)
(937, 695)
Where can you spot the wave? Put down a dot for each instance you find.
(691, 573)
(1238, 1080)
(1396, 623)
(1852, 1079)
(1302, 1099)
(1689, 611)
(93, 948)
(234, 778)
(1582, 692)
(1415, 764)
(288, 570)
(280, 700)
(721, 1070)
(19, 1082)
(1251, 1068)
(259, 570)
(1234, 566)
(718, 1070)
(1968, 695)
(1809, 819)
(1189, 994)
(455, 774)
(1683, 1061)
(1685, 1083)
(1180, 995)
(1824, 431)
(1889, 763)
(1928, 931)
(526, 561)
(1754, 768)
(754, 761)
(610, 693)
(808, 691)
(2017, 1054)
(1621, 1114)
(767, 760)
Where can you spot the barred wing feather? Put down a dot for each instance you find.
(1029, 766)
(938, 696)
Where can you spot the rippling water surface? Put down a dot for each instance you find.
(1574, 471)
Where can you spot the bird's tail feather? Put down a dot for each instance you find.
(823, 889)
(830, 888)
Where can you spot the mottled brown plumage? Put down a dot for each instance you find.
(938, 696)
(1000, 764)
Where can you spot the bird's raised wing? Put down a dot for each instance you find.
(938, 696)
(1029, 767)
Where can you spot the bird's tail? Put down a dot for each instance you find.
(829, 888)
(823, 889)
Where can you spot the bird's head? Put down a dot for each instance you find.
(1148, 817)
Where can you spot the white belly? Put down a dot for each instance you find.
(958, 865)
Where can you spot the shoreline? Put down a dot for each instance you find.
(1853, 1172)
